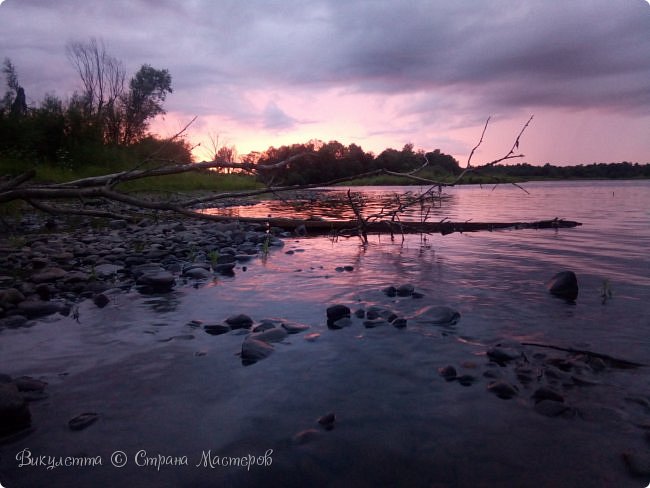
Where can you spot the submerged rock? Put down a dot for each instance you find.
(551, 408)
(83, 420)
(327, 421)
(502, 355)
(253, 350)
(305, 436)
(438, 315)
(216, 329)
(340, 323)
(564, 285)
(448, 372)
(294, 327)
(276, 334)
(502, 389)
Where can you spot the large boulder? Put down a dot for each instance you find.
(564, 285)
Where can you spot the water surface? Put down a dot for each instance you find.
(163, 385)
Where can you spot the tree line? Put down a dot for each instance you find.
(107, 119)
(317, 161)
(106, 123)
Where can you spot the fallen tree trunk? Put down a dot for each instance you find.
(350, 227)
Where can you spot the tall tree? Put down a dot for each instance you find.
(147, 91)
(102, 76)
(16, 101)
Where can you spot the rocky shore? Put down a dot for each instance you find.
(50, 264)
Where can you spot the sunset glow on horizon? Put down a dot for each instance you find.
(258, 75)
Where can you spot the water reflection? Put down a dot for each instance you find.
(333, 204)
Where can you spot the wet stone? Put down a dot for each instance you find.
(545, 393)
(551, 408)
(336, 312)
(305, 436)
(405, 290)
(159, 282)
(294, 327)
(40, 308)
(49, 275)
(240, 321)
(340, 323)
(327, 421)
(101, 300)
(216, 329)
(83, 421)
(564, 285)
(399, 323)
(502, 354)
(253, 350)
(466, 379)
(502, 389)
(197, 273)
(440, 315)
(372, 323)
(390, 291)
(276, 334)
(448, 372)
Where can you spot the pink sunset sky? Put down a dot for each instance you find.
(378, 73)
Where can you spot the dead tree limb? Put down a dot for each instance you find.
(106, 187)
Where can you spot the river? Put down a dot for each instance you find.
(164, 389)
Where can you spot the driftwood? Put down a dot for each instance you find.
(615, 362)
(352, 227)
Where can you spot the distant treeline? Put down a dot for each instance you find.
(526, 171)
(317, 162)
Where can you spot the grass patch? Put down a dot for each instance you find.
(191, 181)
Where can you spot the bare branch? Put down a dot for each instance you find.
(469, 159)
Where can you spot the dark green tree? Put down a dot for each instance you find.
(147, 92)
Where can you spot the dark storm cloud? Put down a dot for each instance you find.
(497, 54)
